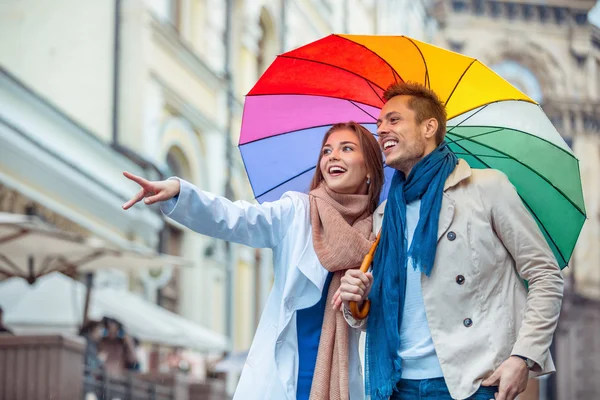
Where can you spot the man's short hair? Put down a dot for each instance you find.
(423, 101)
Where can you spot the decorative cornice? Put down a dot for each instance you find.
(167, 36)
(187, 111)
(548, 12)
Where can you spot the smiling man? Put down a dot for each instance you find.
(450, 316)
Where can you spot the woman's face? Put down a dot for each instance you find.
(343, 164)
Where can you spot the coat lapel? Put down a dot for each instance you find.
(446, 215)
(460, 173)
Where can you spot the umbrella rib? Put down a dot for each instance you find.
(522, 132)
(481, 155)
(284, 182)
(307, 94)
(46, 264)
(13, 236)
(330, 65)
(10, 263)
(294, 131)
(89, 258)
(374, 91)
(426, 80)
(394, 72)
(469, 117)
(6, 273)
(355, 105)
(524, 165)
(458, 82)
(480, 134)
(526, 205)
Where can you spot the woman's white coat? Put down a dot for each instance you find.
(271, 369)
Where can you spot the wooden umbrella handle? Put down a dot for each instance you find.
(363, 311)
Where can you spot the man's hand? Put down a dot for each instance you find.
(152, 191)
(355, 286)
(510, 377)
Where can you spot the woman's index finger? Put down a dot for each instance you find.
(137, 179)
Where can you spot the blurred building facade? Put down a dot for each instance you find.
(549, 50)
(155, 87)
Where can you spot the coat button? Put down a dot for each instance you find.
(468, 322)
(451, 236)
(460, 279)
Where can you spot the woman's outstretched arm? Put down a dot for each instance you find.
(255, 225)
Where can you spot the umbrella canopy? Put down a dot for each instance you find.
(54, 304)
(30, 248)
(491, 124)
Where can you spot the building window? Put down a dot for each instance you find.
(459, 6)
(560, 15)
(520, 77)
(544, 13)
(581, 18)
(479, 7)
(456, 46)
(495, 9)
(267, 43)
(511, 10)
(167, 11)
(527, 11)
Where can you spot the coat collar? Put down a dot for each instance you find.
(461, 172)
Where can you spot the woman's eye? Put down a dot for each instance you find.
(347, 148)
(326, 151)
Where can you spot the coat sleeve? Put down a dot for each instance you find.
(353, 322)
(534, 262)
(255, 225)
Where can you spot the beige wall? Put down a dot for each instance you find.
(63, 49)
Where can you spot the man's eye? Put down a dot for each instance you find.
(394, 120)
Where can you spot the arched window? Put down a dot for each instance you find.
(177, 163)
(521, 77)
(171, 236)
(266, 42)
(166, 10)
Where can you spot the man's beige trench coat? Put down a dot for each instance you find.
(478, 309)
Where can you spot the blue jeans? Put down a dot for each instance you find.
(434, 389)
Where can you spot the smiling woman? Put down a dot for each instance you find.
(303, 347)
(350, 163)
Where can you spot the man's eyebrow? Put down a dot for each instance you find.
(387, 116)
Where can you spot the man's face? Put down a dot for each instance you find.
(402, 140)
(113, 329)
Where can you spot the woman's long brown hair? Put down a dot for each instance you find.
(371, 153)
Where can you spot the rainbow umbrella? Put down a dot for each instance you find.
(339, 78)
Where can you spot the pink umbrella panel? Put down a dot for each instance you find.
(282, 135)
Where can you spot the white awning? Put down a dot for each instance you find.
(54, 304)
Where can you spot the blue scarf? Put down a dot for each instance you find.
(426, 182)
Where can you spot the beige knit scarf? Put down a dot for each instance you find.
(341, 230)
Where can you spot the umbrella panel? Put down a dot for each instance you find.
(561, 229)
(281, 163)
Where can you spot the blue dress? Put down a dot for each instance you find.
(309, 322)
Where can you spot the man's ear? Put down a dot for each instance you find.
(430, 127)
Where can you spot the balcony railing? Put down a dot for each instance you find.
(98, 385)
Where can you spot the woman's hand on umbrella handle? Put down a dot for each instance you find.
(152, 191)
(355, 286)
(336, 301)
